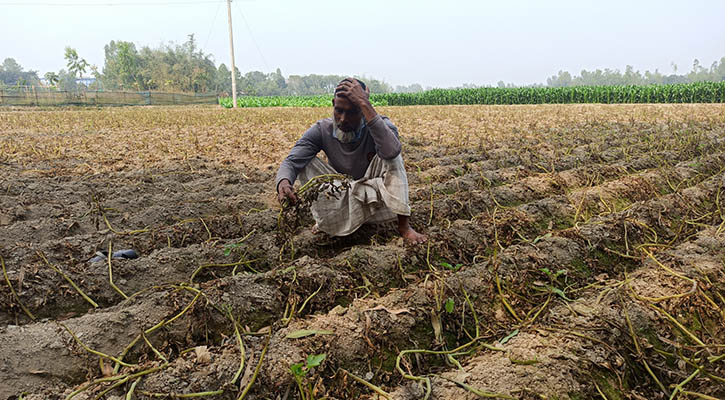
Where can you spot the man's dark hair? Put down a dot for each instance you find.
(362, 84)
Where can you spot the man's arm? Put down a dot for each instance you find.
(383, 132)
(385, 135)
(301, 154)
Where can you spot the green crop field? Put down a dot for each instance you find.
(700, 92)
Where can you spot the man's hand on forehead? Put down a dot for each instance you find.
(351, 89)
(349, 83)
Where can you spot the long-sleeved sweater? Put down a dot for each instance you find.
(379, 137)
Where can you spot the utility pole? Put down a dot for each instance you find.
(231, 51)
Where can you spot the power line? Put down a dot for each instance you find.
(212, 23)
(252, 36)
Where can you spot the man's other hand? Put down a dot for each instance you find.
(285, 191)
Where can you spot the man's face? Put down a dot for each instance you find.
(347, 115)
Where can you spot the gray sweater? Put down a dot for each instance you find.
(379, 137)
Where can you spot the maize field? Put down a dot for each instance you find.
(700, 92)
(575, 251)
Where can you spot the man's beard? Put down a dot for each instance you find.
(343, 136)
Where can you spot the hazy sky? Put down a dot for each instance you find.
(434, 43)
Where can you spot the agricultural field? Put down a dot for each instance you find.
(574, 252)
(698, 92)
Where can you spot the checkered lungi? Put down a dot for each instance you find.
(379, 196)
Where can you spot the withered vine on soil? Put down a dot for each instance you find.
(291, 215)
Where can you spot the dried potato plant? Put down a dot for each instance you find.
(292, 215)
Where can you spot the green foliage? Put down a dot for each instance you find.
(182, 68)
(121, 69)
(75, 64)
(256, 83)
(716, 73)
(11, 73)
(449, 305)
(449, 266)
(279, 101)
(557, 280)
(67, 81)
(553, 276)
(509, 336)
(710, 92)
(229, 248)
(314, 360)
(701, 92)
(300, 371)
(52, 78)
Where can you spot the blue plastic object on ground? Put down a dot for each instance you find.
(127, 254)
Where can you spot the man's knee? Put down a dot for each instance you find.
(314, 168)
(382, 167)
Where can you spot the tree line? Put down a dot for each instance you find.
(186, 68)
(175, 68)
(608, 77)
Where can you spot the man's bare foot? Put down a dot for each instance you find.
(408, 233)
(413, 237)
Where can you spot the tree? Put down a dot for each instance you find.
(11, 73)
(75, 64)
(413, 88)
(653, 77)
(223, 81)
(715, 73)
(121, 65)
(128, 66)
(252, 83)
(375, 85)
(97, 83)
(279, 80)
(563, 79)
(52, 78)
(720, 70)
(631, 77)
(169, 67)
(67, 81)
(296, 85)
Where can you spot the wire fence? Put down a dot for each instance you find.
(40, 96)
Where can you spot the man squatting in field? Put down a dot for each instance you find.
(363, 144)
